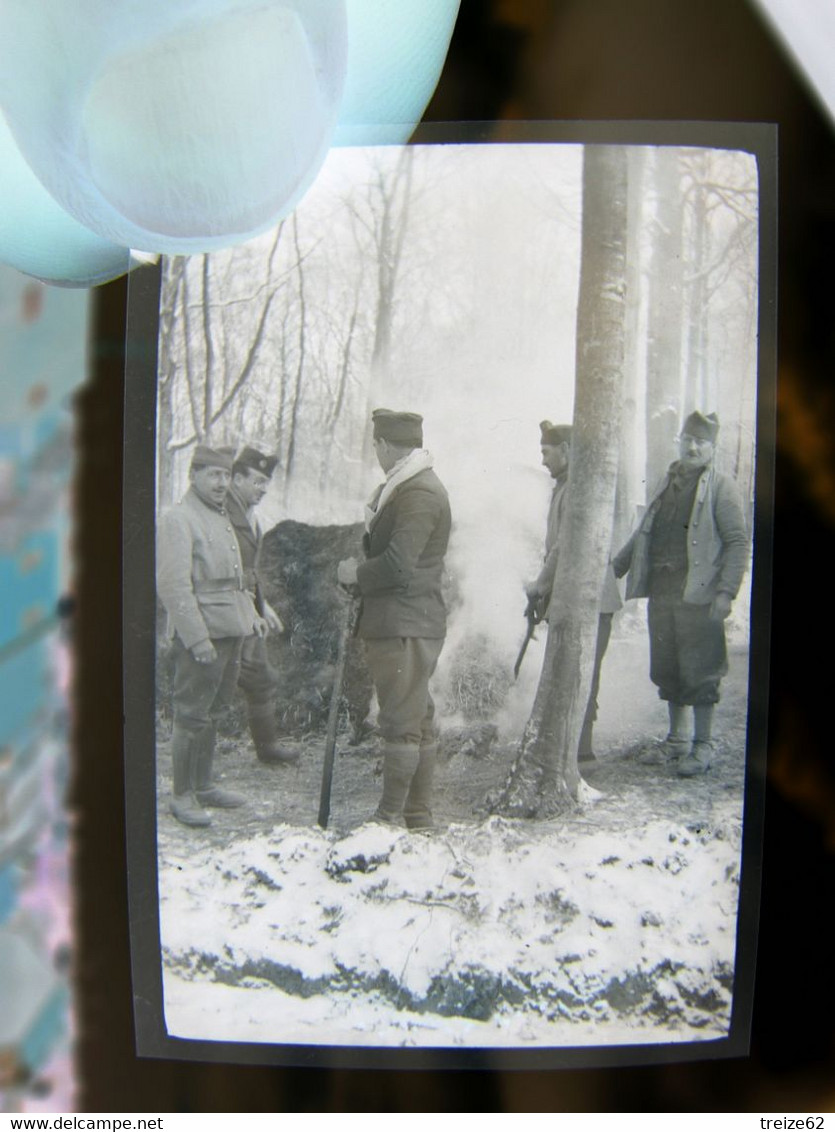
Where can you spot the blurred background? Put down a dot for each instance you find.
(529, 59)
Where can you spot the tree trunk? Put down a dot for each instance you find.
(664, 329)
(297, 391)
(391, 224)
(545, 777)
(172, 275)
(208, 347)
(629, 491)
(697, 395)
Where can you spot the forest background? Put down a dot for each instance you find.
(448, 284)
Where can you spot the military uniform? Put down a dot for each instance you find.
(258, 679)
(691, 545)
(688, 556)
(610, 601)
(403, 618)
(200, 582)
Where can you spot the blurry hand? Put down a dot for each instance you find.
(274, 622)
(720, 607)
(204, 653)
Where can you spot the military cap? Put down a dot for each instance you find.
(398, 428)
(554, 434)
(702, 427)
(206, 457)
(256, 461)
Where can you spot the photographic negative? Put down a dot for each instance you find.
(455, 719)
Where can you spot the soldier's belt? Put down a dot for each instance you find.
(217, 585)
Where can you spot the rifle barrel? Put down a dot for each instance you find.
(349, 625)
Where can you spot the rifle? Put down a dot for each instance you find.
(534, 613)
(348, 629)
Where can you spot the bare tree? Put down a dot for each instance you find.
(209, 390)
(382, 222)
(545, 778)
(338, 402)
(664, 325)
(172, 281)
(720, 235)
(629, 492)
(300, 352)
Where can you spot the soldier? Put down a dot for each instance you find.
(251, 474)
(200, 582)
(403, 619)
(688, 557)
(555, 445)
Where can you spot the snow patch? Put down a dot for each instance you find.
(499, 933)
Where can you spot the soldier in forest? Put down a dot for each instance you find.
(251, 475)
(200, 582)
(403, 618)
(688, 556)
(555, 445)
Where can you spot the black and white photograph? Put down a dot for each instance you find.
(456, 481)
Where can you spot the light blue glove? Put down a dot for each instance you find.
(38, 237)
(181, 126)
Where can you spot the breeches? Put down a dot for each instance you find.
(201, 691)
(400, 668)
(258, 679)
(688, 655)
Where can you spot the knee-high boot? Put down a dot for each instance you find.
(400, 761)
(417, 809)
(184, 804)
(264, 732)
(206, 792)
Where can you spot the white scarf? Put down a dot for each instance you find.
(418, 460)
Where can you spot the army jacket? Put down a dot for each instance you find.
(401, 579)
(200, 574)
(717, 542)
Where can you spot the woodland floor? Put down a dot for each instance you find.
(621, 930)
(632, 793)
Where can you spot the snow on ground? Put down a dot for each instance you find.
(493, 934)
(613, 924)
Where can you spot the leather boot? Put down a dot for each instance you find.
(206, 792)
(264, 732)
(698, 760)
(400, 761)
(677, 743)
(184, 805)
(417, 809)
